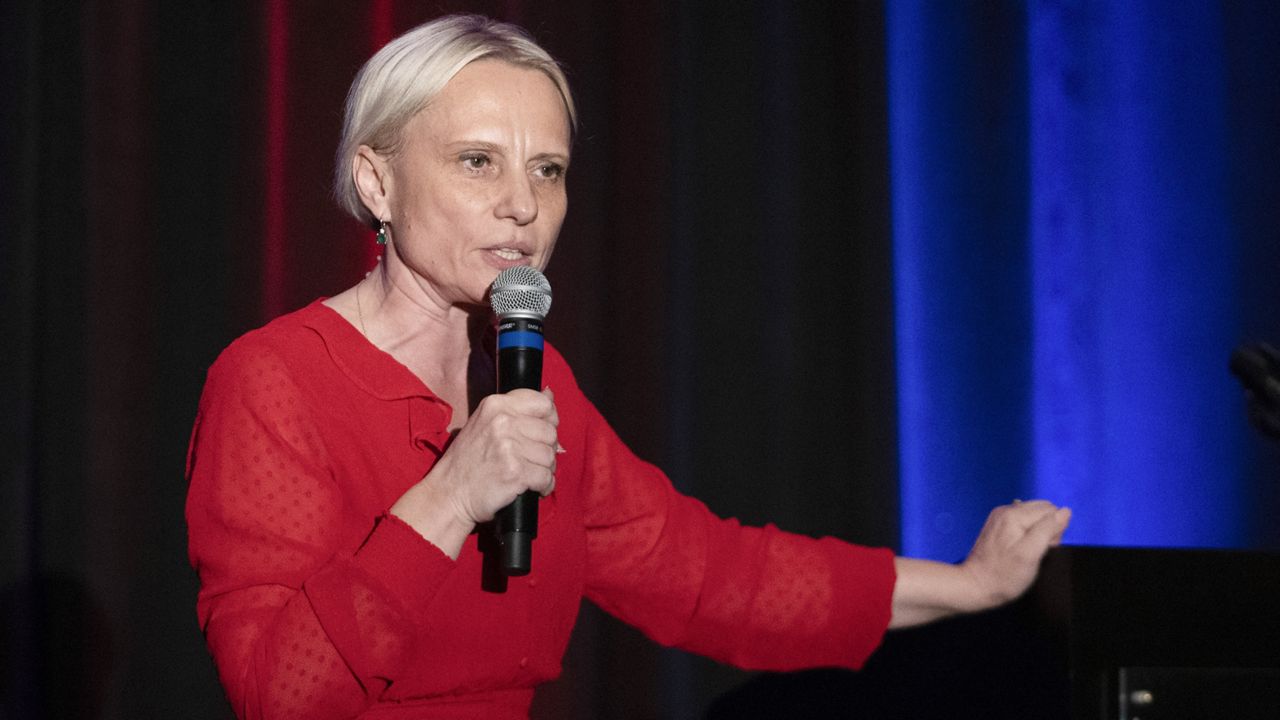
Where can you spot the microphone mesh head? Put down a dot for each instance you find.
(520, 291)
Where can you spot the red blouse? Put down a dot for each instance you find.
(317, 603)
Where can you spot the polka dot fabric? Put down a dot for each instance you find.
(317, 603)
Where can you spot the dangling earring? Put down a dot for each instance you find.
(382, 233)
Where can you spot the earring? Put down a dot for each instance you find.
(382, 233)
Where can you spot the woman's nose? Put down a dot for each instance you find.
(519, 201)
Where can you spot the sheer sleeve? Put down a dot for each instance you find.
(758, 598)
(306, 610)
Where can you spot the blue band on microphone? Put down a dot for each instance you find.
(520, 338)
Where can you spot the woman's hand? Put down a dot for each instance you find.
(507, 446)
(1001, 566)
(1006, 556)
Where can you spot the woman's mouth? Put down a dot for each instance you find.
(508, 253)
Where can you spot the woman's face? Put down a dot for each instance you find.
(478, 185)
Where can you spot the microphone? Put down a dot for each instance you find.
(521, 297)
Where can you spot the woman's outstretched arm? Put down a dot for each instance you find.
(1001, 566)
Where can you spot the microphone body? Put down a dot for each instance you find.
(521, 298)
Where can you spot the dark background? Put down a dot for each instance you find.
(725, 282)
(728, 205)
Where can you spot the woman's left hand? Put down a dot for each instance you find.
(1006, 556)
(1001, 566)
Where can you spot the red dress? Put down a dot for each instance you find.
(317, 603)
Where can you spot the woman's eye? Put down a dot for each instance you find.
(551, 171)
(475, 162)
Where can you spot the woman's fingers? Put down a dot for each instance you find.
(506, 447)
(528, 402)
(1022, 516)
(1007, 553)
(1048, 530)
(1034, 514)
(537, 431)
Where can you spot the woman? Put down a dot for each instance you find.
(344, 454)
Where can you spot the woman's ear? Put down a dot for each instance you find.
(371, 173)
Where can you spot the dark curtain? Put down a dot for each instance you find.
(722, 290)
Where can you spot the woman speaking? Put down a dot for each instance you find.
(345, 454)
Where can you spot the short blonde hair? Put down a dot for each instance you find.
(404, 76)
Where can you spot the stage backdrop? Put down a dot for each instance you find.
(1086, 210)
(1007, 247)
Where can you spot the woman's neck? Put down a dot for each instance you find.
(448, 347)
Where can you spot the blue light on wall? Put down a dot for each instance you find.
(1065, 270)
(957, 115)
(1134, 273)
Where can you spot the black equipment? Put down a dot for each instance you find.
(1258, 369)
